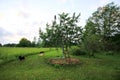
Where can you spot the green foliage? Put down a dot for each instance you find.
(106, 20)
(109, 53)
(114, 43)
(101, 28)
(24, 43)
(34, 43)
(76, 51)
(0, 45)
(92, 43)
(63, 32)
(10, 45)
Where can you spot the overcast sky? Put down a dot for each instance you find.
(22, 18)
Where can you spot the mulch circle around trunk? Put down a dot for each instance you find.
(63, 61)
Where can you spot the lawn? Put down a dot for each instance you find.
(35, 67)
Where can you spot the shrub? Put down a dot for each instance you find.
(109, 53)
(77, 51)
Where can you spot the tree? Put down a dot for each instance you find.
(33, 43)
(62, 32)
(0, 45)
(91, 42)
(106, 20)
(105, 23)
(24, 43)
(44, 38)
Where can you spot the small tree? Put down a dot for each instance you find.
(33, 43)
(63, 31)
(90, 40)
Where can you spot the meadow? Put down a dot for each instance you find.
(35, 67)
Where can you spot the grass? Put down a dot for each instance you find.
(8, 54)
(34, 67)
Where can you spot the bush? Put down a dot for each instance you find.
(109, 53)
(77, 51)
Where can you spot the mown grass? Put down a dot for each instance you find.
(34, 67)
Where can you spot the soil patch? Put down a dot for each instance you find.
(63, 61)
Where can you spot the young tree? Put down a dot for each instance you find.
(44, 38)
(63, 31)
(33, 43)
(90, 40)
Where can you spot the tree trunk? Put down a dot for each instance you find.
(67, 55)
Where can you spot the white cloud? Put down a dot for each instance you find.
(104, 2)
(100, 3)
(23, 24)
(63, 1)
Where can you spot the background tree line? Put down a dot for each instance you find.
(24, 42)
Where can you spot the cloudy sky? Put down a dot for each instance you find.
(22, 18)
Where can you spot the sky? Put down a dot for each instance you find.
(23, 18)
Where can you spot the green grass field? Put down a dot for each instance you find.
(34, 67)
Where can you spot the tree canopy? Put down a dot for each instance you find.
(63, 32)
(24, 43)
(104, 24)
(106, 20)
